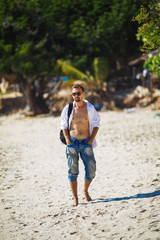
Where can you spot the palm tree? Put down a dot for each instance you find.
(100, 68)
(69, 70)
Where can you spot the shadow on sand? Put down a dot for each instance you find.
(140, 195)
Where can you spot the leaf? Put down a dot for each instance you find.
(69, 70)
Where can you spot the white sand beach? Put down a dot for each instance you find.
(35, 193)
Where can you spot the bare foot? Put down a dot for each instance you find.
(87, 197)
(75, 202)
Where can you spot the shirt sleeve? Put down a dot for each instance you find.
(64, 118)
(96, 118)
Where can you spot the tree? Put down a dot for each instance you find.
(149, 29)
(32, 37)
(100, 29)
(35, 33)
(104, 29)
(100, 68)
(69, 70)
(153, 64)
(24, 49)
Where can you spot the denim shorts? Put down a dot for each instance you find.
(81, 148)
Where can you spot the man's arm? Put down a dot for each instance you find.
(93, 135)
(64, 124)
(66, 135)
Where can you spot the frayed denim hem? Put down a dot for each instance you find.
(88, 179)
(72, 179)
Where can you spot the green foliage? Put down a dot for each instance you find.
(35, 33)
(69, 70)
(102, 28)
(100, 66)
(149, 29)
(25, 45)
(153, 64)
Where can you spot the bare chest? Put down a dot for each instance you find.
(80, 114)
(80, 123)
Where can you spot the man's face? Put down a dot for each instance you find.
(77, 94)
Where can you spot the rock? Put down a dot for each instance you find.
(131, 101)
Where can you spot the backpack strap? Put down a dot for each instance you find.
(69, 111)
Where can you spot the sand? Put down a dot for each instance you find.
(35, 193)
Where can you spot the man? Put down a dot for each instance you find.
(83, 127)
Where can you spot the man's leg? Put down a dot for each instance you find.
(73, 171)
(85, 190)
(73, 185)
(88, 159)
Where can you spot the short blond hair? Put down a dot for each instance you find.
(78, 86)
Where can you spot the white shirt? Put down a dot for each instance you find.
(94, 118)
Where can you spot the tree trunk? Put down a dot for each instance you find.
(34, 101)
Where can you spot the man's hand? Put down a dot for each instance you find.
(92, 137)
(66, 135)
(90, 142)
(68, 142)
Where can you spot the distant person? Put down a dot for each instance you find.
(145, 73)
(146, 77)
(84, 123)
(3, 85)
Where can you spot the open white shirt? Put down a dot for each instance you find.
(94, 118)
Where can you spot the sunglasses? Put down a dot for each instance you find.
(77, 93)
